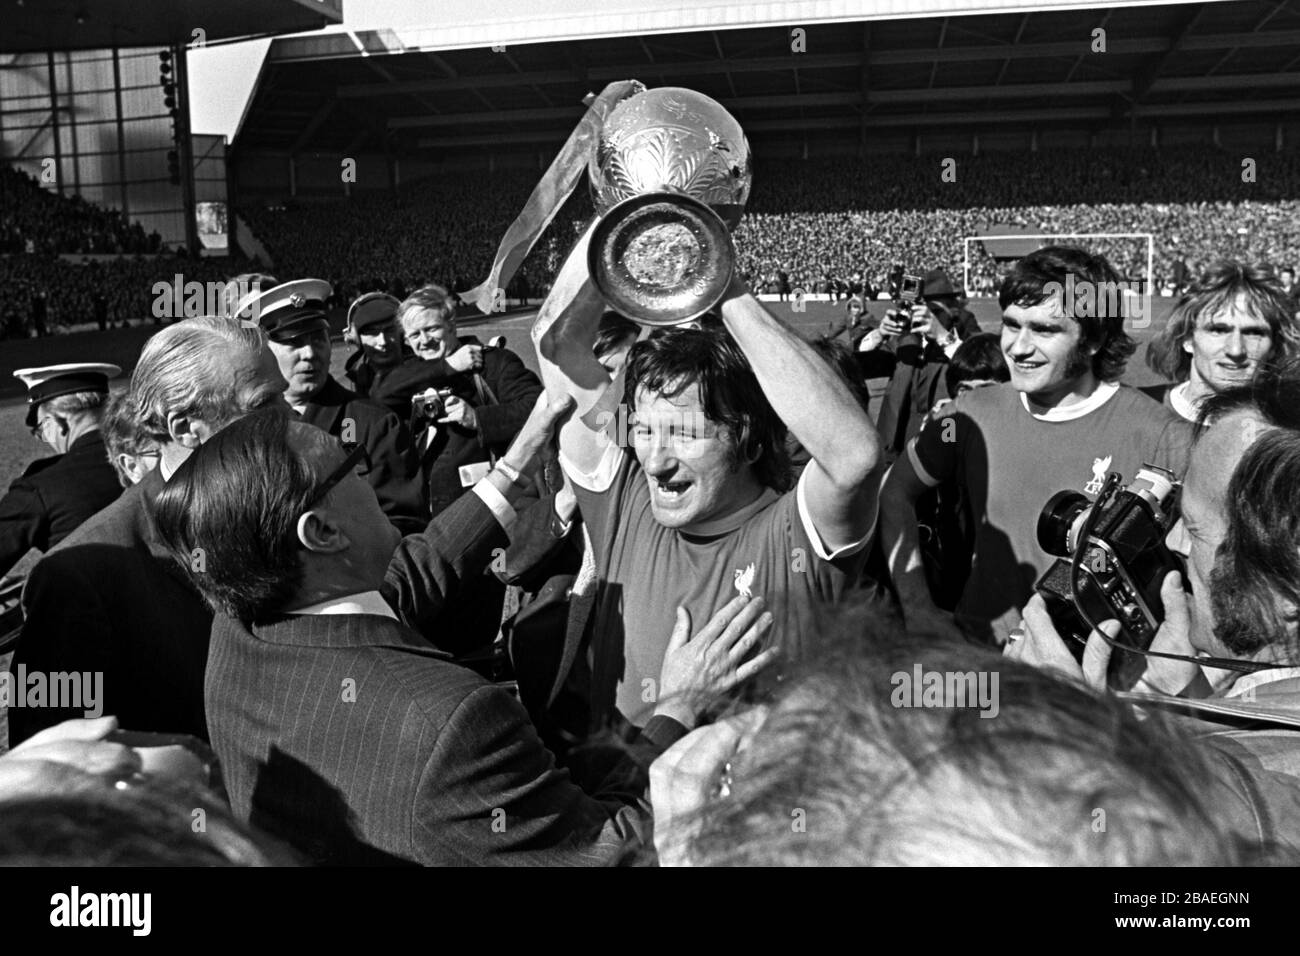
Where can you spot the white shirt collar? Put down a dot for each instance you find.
(1180, 403)
(1103, 394)
(367, 602)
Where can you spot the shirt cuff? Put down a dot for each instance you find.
(926, 478)
(501, 509)
(819, 546)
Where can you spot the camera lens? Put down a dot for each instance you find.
(1056, 519)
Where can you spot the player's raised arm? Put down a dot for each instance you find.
(564, 333)
(818, 408)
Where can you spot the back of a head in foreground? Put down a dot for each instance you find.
(153, 824)
(848, 770)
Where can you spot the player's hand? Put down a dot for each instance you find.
(457, 411)
(467, 358)
(687, 776)
(698, 670)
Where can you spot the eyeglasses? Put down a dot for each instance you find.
(357, 460)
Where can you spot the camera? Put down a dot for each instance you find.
(431, 403)
(1111, 562)
(905, 291)
(904, 288)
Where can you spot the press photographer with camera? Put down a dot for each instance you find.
(465, 402)
(1063, 421)
(924, 332)
(1231, 678)
(1239, 535)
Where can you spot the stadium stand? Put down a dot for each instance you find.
(819, 221)
(832, 217)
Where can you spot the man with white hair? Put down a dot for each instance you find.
(109, 599)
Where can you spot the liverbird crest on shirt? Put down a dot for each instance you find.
(1099, 468)
(744, 580)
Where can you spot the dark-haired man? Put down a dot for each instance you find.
(682, 479)
(1062, 422)
(340, 728)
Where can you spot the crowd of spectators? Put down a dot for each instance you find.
(821, 221)
(36, 220)
(443, 231)
(76, 293)
(810, 224)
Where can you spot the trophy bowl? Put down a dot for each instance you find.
(661, 258)
(669, 178)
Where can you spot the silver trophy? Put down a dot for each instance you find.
(669, 177)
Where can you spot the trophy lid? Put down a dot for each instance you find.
(672, 139)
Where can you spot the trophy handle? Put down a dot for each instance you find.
(661, 258)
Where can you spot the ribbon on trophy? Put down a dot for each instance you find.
(555, 187)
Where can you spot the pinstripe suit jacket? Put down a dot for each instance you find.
(354, 739)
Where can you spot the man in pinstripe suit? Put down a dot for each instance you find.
(344, 731)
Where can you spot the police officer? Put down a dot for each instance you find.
(294, 318)
(374, 329)
(56, 494)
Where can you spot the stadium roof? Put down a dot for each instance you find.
(429, 91)
(39, 25)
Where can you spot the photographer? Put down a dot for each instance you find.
(480, 396)
(1239, 532)
(924, 339)
(1063, 421)
(466, 403)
